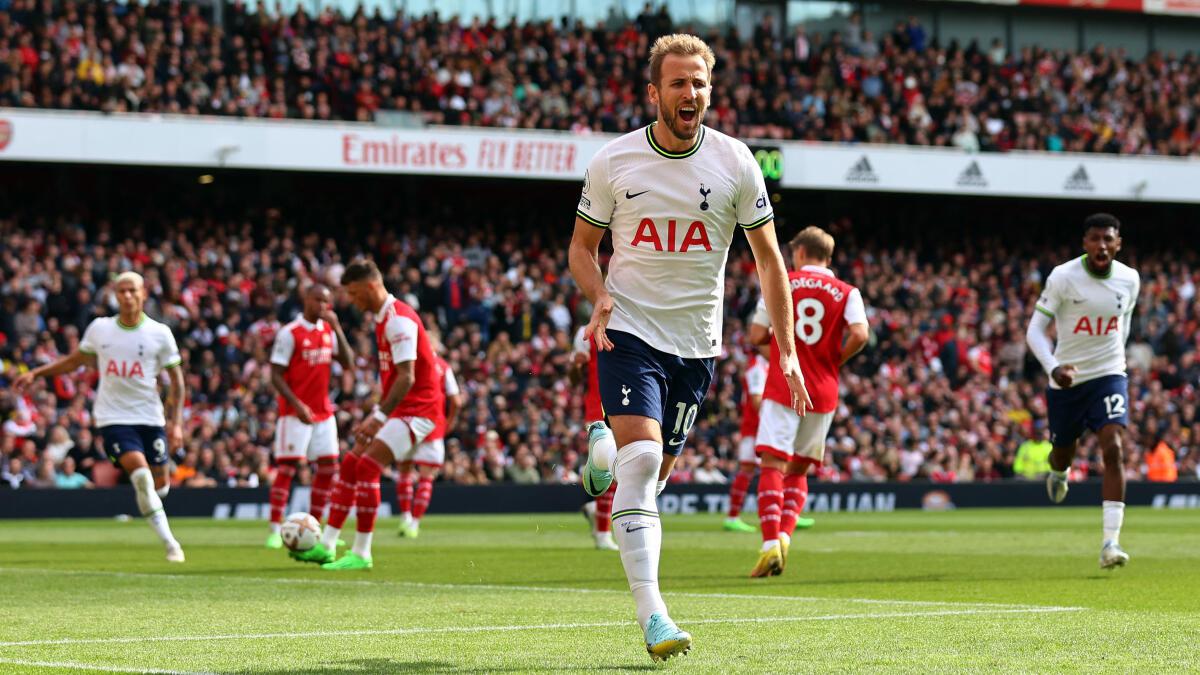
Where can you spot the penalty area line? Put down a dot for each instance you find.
(542, 626)
(524, 589)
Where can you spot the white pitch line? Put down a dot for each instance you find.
(543, 626)
(520, 589)
(72, 665)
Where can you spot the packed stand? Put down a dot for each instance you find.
(848, 85)
(945, 391)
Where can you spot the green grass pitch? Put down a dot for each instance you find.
(1013, 590)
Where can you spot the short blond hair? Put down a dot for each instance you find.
(680, 44)
(133, 277)
(817, 243)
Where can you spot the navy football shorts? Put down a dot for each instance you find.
(637, 379)
(1090, 405)
(122, 438)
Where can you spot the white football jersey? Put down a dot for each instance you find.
(1091, 316)
(673, 217)
(129, 361)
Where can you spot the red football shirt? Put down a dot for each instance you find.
(306, 350)
(400, 336)
(820, 301)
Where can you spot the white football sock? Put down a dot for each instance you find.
(636, 524)
(1060, 474)
(659, 486)
(362, 544)
(1114, 515)
(163, 491)
(330, 536)
(769, 544)
(276, 527)
(150, 504)
(603, 451)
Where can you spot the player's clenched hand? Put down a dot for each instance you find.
(1064, 376)
(795, 379)
(304, 413)
(22, 383)
(330, 317)
(599, 324)
(366, 430)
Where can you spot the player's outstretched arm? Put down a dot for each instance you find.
(583, 256)
(66, 364)
(772, 276)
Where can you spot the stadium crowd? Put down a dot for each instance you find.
(848, 85)
(944, 392)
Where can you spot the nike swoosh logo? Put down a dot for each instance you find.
(631, 530)
(676, 441)
(635, 194)
(1078, 302)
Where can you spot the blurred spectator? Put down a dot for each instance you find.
(846, 85)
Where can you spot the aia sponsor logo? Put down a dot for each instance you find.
(6, 134)
(124, 369)
(1097, 325)
(673, 236)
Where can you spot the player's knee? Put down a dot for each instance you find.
(148, 500)
(639, 462)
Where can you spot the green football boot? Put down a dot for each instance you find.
(350, 561)
(317, 554)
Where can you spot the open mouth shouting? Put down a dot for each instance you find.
(688, 113)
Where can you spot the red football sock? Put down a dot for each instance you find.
(770, 502)
(795, 494)
(281, 487)
(404, 491)
(737, 492)
(604, 509)
(424, 495)
(367, 502)
(343, 491)
(327, 469)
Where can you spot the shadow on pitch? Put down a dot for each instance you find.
(390, 666)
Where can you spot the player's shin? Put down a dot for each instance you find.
(795, 495)
(424, 495)
(636, 524)
(404, 492)
(150, 504)
(281, 487)
(322, 486)
(770, 504)
(343, 499)
(366, 504)
(737, 491)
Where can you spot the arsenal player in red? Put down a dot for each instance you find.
(583, 370)
(411, 407)
(831, 327)
(428, 457)
(301, 366)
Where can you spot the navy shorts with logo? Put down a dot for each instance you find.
(1090, 405)
(637, 379)
(122, 438)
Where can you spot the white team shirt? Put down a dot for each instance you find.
(450, 384)
(855, 311)
(129, 361)
(1091, 316)
(672, 217)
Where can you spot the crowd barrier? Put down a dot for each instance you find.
(251, 503)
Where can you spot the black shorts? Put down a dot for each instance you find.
(637, 379)
(1090, 405)
(122, 438)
